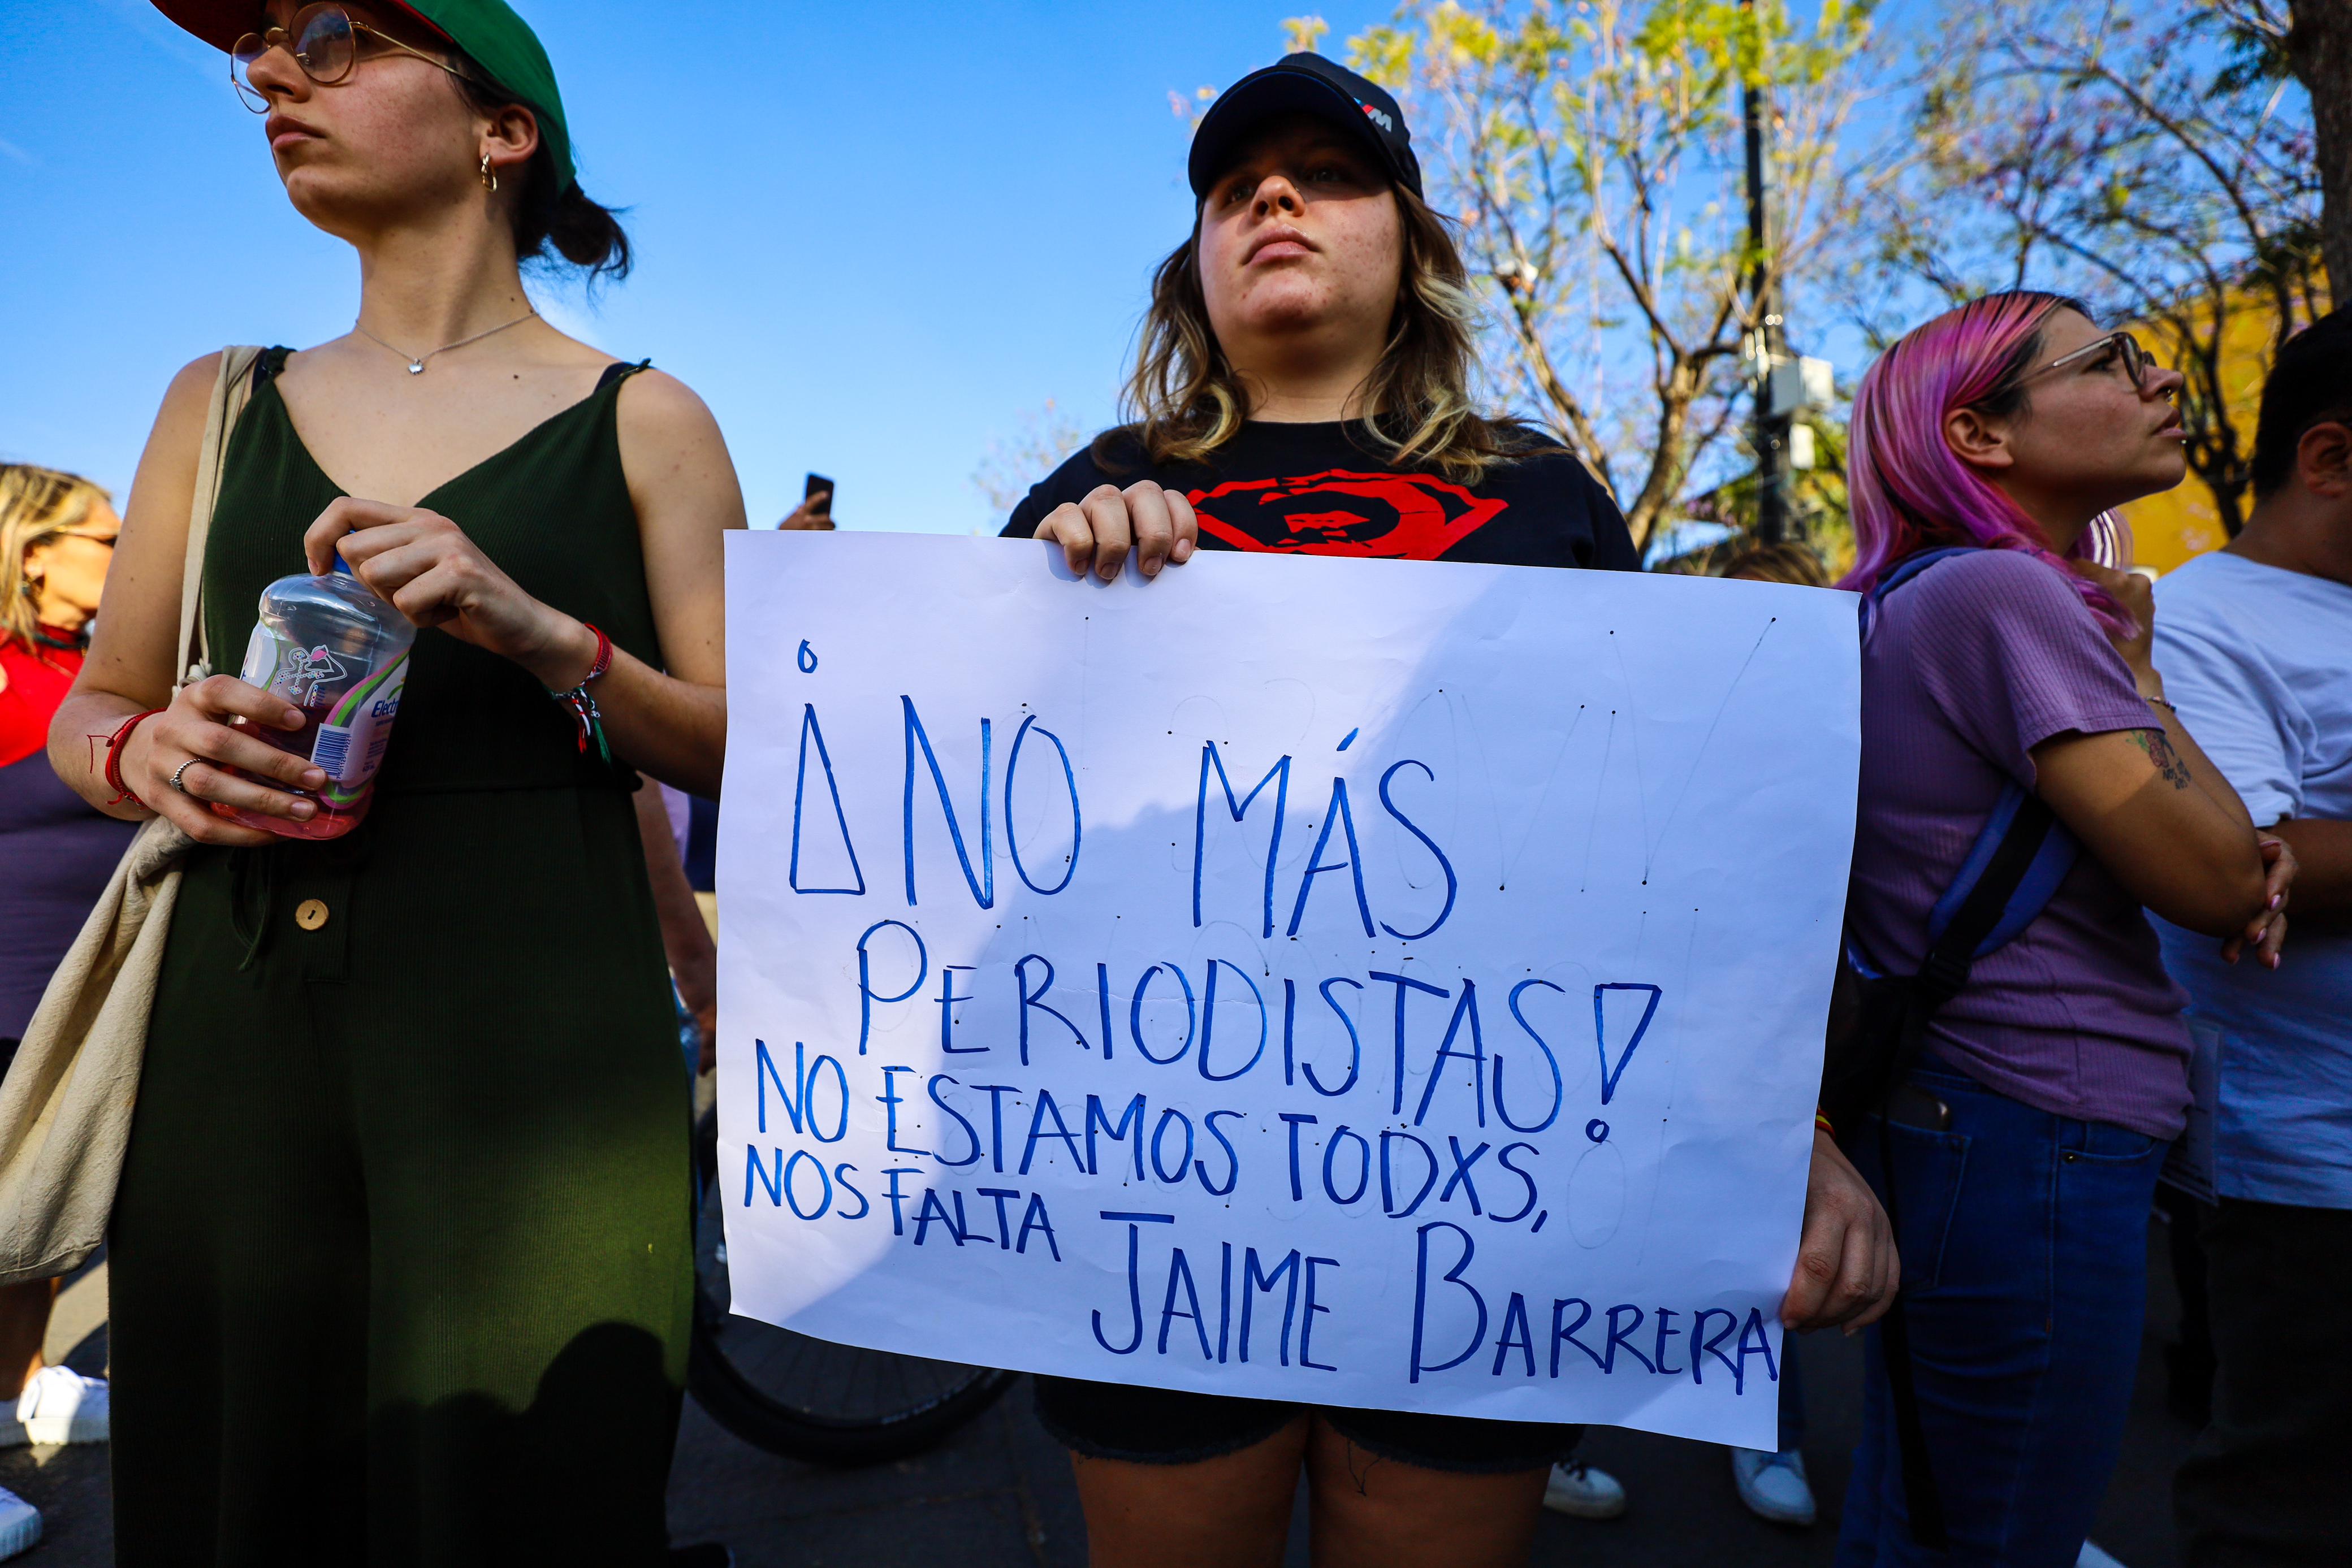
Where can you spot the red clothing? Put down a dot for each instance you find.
(37, 678)
(55, 848)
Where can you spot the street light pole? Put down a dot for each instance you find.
(1771, 339)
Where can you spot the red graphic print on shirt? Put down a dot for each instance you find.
(1401, 517)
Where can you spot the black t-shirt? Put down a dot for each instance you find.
(1321, 489)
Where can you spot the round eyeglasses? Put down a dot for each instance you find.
(325, 42)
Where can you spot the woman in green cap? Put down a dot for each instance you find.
(399, 1260)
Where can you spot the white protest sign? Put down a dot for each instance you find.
(1342, 981)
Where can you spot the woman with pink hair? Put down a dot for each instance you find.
(2019, 1155)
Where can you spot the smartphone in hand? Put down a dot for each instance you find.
(815, 510)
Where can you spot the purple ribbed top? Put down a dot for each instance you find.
(1970, 666)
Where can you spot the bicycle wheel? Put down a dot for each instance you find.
(808, 1398)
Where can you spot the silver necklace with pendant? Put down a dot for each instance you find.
(416, 361)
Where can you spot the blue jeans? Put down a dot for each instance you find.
(2024, 1243)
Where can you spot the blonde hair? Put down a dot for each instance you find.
(1798, 565)
(1184, 400)
(36, 505)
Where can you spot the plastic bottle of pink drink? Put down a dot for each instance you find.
(331, 648)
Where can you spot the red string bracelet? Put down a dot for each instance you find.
(113, 771)
(604, 659)
(582, 704)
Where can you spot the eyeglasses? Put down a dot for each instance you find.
(106, 540)
(324, 41)
(2137, 360)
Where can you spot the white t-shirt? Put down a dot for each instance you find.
(2258, 661)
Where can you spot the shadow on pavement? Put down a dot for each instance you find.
(999, 1495)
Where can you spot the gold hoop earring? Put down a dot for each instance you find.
(489, 179)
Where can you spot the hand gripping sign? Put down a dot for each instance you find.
(1315, 979)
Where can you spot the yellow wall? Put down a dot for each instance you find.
(2183, 523)
(2170, 528)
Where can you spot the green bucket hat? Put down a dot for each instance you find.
(499, 41)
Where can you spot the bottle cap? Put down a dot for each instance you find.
(344, 567)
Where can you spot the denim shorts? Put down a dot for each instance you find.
(1165, 1426)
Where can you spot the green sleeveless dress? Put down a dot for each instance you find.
(400, 1266)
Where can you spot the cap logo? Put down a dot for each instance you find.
(1377, 118)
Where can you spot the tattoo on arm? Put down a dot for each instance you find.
(2159, 751)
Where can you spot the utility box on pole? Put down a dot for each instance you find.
(1798, 386)
(1801, 447)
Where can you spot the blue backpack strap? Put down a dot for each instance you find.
(1912, 565)
(1901, 572)
(2036, 876)
(2036, 884)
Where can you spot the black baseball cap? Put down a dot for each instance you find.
(1302, 83)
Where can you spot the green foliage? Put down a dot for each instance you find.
(1816, 499)
(1592, 150)
(1301, 34)
(2150, 158)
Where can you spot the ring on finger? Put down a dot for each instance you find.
(183, 768)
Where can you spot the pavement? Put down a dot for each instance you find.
(1000, 1494)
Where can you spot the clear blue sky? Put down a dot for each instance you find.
(870, 238)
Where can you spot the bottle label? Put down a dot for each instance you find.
(352, 705)
(357, 728)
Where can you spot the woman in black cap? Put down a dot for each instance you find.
(401, 1268)
(1302, 385)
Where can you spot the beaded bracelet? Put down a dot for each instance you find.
(583, 705)
(112, 772)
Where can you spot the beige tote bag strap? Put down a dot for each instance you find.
(193, 660)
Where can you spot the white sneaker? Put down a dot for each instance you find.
(2092, 1557)
(61, 1405)
(20, 1523)
(1576, 1488)
(1773, 1486)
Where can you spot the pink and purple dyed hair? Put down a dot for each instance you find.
(1910, 492)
